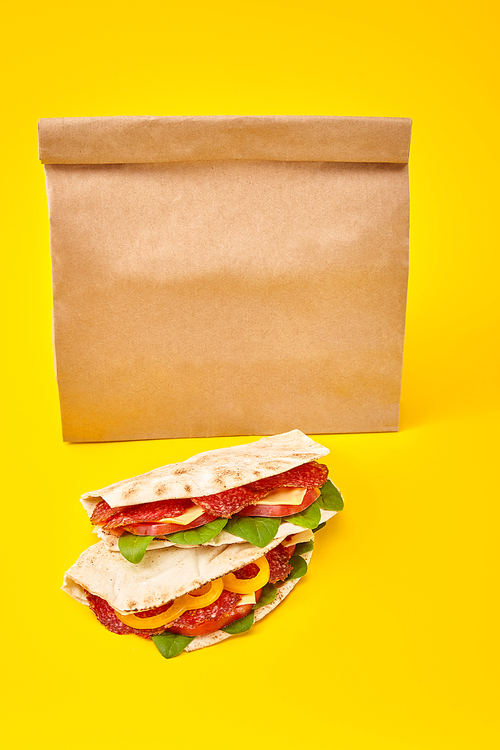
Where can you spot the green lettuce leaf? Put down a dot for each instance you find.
(200, 535)
(299, 567)
(302, 547)
(171, 644)
(318, 528)
(330, 498)
(132, 547)
(257, 531)
(267, 596)
(309, 518)
(240, 626)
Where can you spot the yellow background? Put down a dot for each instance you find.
(392, 639)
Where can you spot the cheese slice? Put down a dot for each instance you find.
(302, 536)
(188, 517)
(247, 599)
(283, 496)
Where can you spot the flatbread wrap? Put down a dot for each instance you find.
(253, 493)
(187, 599)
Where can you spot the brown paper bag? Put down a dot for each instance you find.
(227, 275)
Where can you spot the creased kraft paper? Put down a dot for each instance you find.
(227, 275)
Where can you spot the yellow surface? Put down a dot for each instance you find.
(391, 641)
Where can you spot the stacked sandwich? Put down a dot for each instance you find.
(194, 552)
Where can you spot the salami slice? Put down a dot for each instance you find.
(224, 604)
(249, 571)
(153, 612)
(225, 504)
(279, 567)
(221, 505)
(103, 512)
(311, 474)
(107, 617)
(148, 512)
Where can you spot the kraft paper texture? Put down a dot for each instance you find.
(227, 275)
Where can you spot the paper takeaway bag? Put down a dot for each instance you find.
(227, 275)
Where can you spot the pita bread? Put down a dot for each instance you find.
(211, 472)
(162, 576)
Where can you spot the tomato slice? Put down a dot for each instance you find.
(160, 529)
(211, 625)
(272, 511)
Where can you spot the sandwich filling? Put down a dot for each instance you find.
(251, 512)
(226, 602)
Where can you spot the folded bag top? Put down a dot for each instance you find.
(227, 275)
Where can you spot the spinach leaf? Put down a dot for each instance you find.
(240, 626)
(171, 644)
(318, 528)
(309, 518)
(132, 547)
(330, 498)
(299, 567)
(267, 596)
(303, 547)
(257, 531)
(200, 535)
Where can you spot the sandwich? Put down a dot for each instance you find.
(187, 599)
(253, 493)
